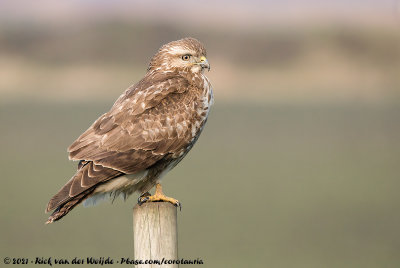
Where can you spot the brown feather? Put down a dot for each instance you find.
(150, 127)
(68, 206)
(81, 182)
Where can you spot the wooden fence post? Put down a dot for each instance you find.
(155, 233)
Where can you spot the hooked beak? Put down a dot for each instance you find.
(204, 63)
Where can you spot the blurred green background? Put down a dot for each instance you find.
(298, 165)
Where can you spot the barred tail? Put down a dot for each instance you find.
(66, 207)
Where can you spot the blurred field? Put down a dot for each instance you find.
(266, 186)
(308, 63)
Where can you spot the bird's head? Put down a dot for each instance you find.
(184, 54)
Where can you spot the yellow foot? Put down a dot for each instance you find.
(158, 197)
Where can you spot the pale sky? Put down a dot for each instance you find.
(239, 11)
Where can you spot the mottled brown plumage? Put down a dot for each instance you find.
(149, 129)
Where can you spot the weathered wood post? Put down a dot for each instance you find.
(155, 233)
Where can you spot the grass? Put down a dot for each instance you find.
(266, 186)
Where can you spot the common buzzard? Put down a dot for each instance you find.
(148, 130)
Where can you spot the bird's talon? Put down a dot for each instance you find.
(142, 199)
(158, 197)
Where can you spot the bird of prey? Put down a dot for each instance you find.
(148, 130)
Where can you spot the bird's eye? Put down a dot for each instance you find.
(186, 57)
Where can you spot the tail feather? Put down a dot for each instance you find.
(78, 188)
(63, 209)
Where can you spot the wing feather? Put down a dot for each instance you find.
(144, 125)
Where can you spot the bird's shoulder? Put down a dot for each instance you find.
(149, 120)
(149, 91)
